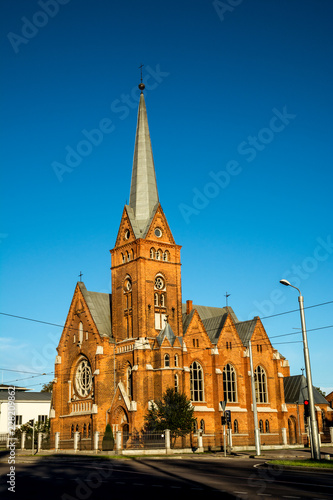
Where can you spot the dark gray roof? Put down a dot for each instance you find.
(99, 305)
(27, 396)
(213, 327)
(206, 312)
(295, 391)
(167, 333)
(213, 319)
(245, 330)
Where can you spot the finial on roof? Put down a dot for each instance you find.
(141, 85)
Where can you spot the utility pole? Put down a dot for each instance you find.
(254, 402)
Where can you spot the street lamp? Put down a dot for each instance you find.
(313, 422)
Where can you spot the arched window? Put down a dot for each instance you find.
(176, 383)
(166, 256)
(260, 381)
(80, 333)
(156, 299)
(202, 425)
(72, 431)
(128, 256)
(166, 360)
(83, 378)
(195, 425)
(261, 426)
(176, 359)
(123, 258)
(267, 426)
(236, 431)
(196, 382)
(77, 427)
(162, 300)
(158, 255)
(129, 381)
(152, 253)
(84, 430)
(89, 430)
(229, 384)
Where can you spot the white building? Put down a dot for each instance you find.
(28, 406)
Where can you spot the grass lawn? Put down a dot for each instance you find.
(322, 464)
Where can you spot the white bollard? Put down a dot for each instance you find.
(23, 436)
(96, 440)
(76, 440)
(284, 436)
(118, 440)
(56, 440)
(167, 440)
(39, 441)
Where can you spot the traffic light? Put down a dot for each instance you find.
(306, 408)
(228, 416)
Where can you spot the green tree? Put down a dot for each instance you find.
(47, 387)
(174, 411)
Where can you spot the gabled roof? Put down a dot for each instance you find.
(245, 330)
(206, 312)
(213, 319)
(167, 333)
(213, 326)
(27, 396)
(99, 305)
(295, 391)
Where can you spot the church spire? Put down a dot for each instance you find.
(143, 194)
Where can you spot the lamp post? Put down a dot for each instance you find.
(313, 422)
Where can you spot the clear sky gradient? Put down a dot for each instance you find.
(239, 101)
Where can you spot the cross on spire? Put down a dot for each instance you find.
(80, 276)
(226, 298)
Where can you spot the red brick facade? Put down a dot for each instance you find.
(117, 354)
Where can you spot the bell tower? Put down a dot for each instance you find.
(145, 261)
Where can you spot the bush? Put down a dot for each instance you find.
(108, 439)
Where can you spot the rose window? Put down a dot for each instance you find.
(159, 283)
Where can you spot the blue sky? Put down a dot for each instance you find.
(239, 102)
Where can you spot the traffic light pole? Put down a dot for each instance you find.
(254, 404)
(315, 450)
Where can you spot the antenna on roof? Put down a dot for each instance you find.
(302, 370)
(226, 298)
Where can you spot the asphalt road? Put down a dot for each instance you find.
(65, 478)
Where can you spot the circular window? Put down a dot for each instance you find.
(159, 283)
(83, 378)
(128, 285)
(158, 232)
(127, 234)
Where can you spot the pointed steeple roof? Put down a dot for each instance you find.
(143, 195)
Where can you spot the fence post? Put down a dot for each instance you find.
(76, 440)
(96, 440)
(23, 436)
(167, 440)
(118, 440)
(200, 441)
(39, 441)
(284, 436)
(331, 433)
(56, 440)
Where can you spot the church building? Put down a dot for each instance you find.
(119, 352)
